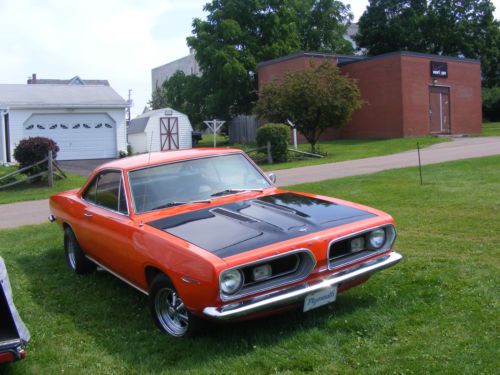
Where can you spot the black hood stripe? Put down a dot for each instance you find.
(238, 227)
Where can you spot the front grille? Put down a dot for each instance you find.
(286, 268)
(280, 267)
(339, 250)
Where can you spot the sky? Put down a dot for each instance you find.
(117, 40)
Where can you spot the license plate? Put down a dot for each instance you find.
(320, 298)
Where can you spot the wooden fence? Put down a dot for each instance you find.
(243, 129)
(53, 170)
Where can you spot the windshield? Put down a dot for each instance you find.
(193, 180)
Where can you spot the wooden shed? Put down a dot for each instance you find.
(160, 130)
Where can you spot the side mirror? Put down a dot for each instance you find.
(271, 176)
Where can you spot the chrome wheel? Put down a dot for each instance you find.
(71, 254)
(171, 312)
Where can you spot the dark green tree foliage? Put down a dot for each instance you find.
(158, 99)
(393, 25)
(491, 103)
(314, 100)
(464, 28)
(279, 137)
(322, 25)
(240, 33)
(183, 93)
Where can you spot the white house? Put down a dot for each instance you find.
(159, 130)
(86, 121)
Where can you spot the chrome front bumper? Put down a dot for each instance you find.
(299, 292)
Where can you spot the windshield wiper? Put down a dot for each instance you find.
(180, 203)
(233, 191)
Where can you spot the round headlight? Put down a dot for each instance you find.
(231, 281)
(377, 238)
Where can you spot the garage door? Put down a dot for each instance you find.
(79, 136)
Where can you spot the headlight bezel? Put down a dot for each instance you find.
(371, 235)
(224, 274)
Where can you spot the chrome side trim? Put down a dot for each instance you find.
(117, 276)
(298, 293)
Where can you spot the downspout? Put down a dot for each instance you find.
(3, 112)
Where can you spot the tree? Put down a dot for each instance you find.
(158, 99)
(392, 25)
(240, 33)
(313, 100)
(322, 25)
(183, 93)
(463, 28)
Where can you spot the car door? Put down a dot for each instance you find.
(107, 227)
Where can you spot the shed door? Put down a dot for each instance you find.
(169, 133)
(439, 110)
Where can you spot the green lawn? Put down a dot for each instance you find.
(491, 129)
(33, 191)
(339, 150)
(435, 312)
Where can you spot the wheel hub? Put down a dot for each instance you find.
(171, 312)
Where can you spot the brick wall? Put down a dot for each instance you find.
(464, 82)
(395, 89)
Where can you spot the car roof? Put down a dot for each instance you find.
(155, 158)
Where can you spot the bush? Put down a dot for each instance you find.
(279, 136)
(491, 104)
(31, 150)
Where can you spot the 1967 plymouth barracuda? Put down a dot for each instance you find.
(206, 235)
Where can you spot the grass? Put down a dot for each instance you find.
(350, 149)
(436, 312)
(34, 191)
(339, 150)
(491, 129)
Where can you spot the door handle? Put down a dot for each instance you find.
(86, 214)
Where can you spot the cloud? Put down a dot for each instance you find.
(118, 40)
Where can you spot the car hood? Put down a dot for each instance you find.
(237, 227)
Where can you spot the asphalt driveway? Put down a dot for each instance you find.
(81, 167)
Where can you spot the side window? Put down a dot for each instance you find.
(122, 202)
(89, 194)
(108, 190)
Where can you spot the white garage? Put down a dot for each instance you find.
(160, 130)
(79, 136)
(87, 122)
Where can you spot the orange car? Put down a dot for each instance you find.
(206, 235)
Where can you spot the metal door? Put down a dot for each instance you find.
(169, 133)
(439, 110)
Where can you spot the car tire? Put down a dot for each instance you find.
(75, 257)
(168, 311)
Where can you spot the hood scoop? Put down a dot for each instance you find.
(242, 226)
(233, 215)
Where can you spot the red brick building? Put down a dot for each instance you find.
(405, 93)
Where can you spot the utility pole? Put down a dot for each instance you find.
(129, 105)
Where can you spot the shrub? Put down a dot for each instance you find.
(31, 150)
(491, 104)
(279, 136)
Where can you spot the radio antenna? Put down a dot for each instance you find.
(150, 147)
(149, 161)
